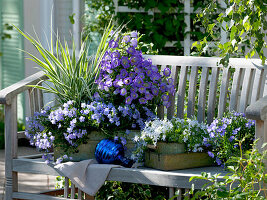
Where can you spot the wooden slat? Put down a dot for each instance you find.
(171, 192)
(235, 89)
(179, 191)
(204, 61)
(178, 179)
(79, 194)
(11, 144)
(192, 91)
(223, 92)
(256, 85)
(41, 99)
(32, 196)
(202, 94)
(263, 90)
(31, 101)
(171, 109)
(181, 91)
(245, 90)
(8, 93)
(72, 194)
(212, 94)
(33, 166)
(36, 100)
(160, 112)
(66, 187)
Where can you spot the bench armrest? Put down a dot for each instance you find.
(8, 93)
(257, 110)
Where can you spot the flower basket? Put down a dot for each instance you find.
(87, 151)
(167, 148)
(176, 161)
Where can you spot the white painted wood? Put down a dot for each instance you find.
(192, 91)
(32, 196)
(181, 91)
(66, 187)
(171, 109)
(11, 144)
(187, 43)
(202, 94)
(212, 94)
(76, 26)
(245, 90)
(235, 89)
(223, 92)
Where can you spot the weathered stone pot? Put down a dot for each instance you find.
(87, 151)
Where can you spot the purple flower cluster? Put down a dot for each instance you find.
(70, 125)
(225, 133)
(127, 76)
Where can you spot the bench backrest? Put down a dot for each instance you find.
(206, 89)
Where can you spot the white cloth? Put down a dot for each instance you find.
(87, 175)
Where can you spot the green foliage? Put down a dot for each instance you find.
(225, 135)
(245, 23)
(158, 27)
(246, 180)
(5, 35)
(113, 190)
(72, 76)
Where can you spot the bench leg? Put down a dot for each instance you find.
(11, 145)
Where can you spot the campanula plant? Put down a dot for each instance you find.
(128, 78)
(225, 133)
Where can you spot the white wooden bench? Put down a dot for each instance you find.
(212, 90)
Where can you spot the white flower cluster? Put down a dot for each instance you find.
(156, 130)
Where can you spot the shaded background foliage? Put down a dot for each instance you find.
(159, 27)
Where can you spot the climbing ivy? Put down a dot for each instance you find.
(158, 27)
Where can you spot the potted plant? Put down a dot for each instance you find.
(172, 144)
(112, 93)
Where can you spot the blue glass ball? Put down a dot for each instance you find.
(110, 152)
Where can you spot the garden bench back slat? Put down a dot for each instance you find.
(181, 91)
(258, 83)
(235, 89)
(230, 88)
(245, 90)
(212, 94)
(202, 94)
(223, 91)
(192, 91)
(171, 109)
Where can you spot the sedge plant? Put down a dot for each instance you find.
(72, 76)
